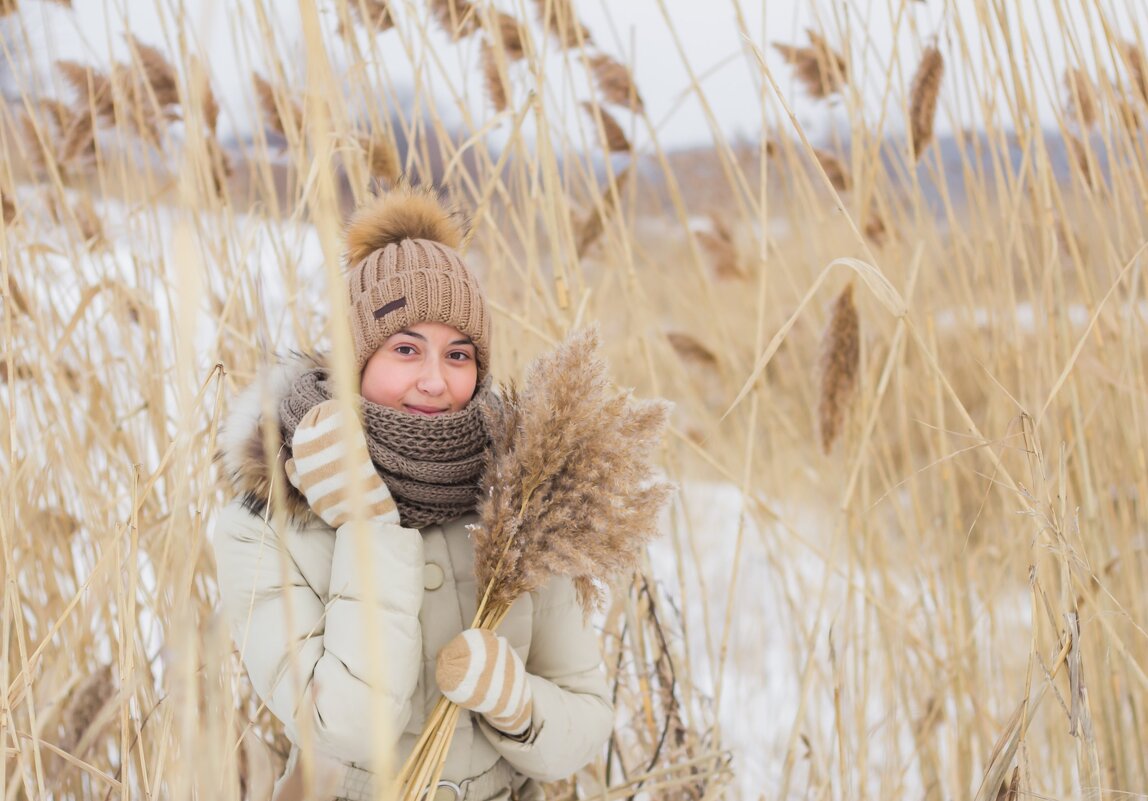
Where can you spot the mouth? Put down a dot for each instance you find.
(429, 411)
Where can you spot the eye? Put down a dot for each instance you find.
(405, 350)
(459, 356)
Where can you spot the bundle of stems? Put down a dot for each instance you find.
(569, 489)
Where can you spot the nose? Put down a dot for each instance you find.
(430, 381)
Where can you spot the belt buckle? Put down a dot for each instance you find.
(426, 795)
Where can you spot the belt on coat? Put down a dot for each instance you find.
(359, 785)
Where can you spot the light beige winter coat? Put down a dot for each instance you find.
(298, 596)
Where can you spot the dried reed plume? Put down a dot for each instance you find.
(458, 18)
(571, 488)
(82, 709)
(209, 105)
(1128, 115)
(834, 169)
(616, 141)
(14, 293)
(157, 71)
(840, 362)
(374, 15)
(265, 95)
(875, 229)
(220, 163)
(590, 229)
(819, 67)
(690, 349)
(719, 244)
(93, 87)
(1137, 69)
(509, 31)
(382, 157)
(492, 78)
(1079, 154)
(926, 88)
(88, 223)
(8, 209)
(1081, 97)
(615, 83)
(1010, 789)
(558, 17)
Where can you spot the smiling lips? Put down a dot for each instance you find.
(427, 410)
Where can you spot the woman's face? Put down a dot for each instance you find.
(428, 368)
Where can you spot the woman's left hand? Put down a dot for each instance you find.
(478, 670)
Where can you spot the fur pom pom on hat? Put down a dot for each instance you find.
(405, 269)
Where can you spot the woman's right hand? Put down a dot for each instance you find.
(318, 468)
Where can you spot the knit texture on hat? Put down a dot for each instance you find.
(405, 270)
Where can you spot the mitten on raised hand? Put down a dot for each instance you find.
(478, 670)
(318, 468)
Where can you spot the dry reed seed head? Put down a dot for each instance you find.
(923, 95)
(269, 105)
(820, 68)
(16, 296)
(209, 104)
(382, 157)
(1137, 69)
(559, 19)
(616, 141)
(591, 228)
(157, 71)
(1128, 115)
(834, 169)
(874, 229)
(8, 209)
(458, 18)
(1079, 154)
(221, 167)
(840, 364)
(509, 32)
(690, 349)
(576, 492)
(724, 256)
(492, 78)
(1010, 788)
(90, 226)
(1082, 104)
(373, 15)
(616, 83)
(93, 88)
(84, 704)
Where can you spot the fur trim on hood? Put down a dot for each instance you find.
(241, 450)
(404, 213)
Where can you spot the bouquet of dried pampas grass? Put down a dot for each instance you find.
(570, 490)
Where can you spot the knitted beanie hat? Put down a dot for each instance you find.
(405, 269)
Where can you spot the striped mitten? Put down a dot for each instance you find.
(318, 468)
(478, 670)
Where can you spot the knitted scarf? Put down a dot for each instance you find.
(431, 465)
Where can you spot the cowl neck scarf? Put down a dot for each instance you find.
(431, 464)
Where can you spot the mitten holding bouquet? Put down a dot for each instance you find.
(479, 671)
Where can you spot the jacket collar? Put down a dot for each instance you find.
(254, 477)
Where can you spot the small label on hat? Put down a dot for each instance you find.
(394, 305)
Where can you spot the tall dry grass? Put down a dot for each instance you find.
(953, 589)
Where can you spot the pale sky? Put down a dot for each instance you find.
(635, 32)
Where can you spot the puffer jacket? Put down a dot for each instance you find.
(296, 595)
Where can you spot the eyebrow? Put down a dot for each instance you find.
(416, 335)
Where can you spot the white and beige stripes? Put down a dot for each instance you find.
(318, 468)
(478, 670)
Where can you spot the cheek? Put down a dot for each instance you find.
(464, 384)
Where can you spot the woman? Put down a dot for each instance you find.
(290, 578)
